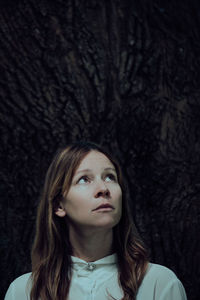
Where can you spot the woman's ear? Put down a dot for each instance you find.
(59, 208)
(60, 211)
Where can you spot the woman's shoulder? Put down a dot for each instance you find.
(21, 281)
(160, 272)
(161, 283)
(19, 288)
(22, 278)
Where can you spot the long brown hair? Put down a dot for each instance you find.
(51, 253)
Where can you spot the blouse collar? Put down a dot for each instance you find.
(110, 259)
(99, 269)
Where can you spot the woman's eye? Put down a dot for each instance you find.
(110, 177)
(84, 179)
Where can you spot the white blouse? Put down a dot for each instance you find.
(96, 280)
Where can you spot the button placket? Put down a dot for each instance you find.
(89, 278)
(93, 290)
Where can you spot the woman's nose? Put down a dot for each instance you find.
(102, 191)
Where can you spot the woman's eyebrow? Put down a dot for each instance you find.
(110, 169)
(89, 170)
(82, 171)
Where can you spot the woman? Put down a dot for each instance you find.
(86, 246)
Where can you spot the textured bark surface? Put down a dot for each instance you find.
(125, 74)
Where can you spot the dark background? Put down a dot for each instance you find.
(125, 74)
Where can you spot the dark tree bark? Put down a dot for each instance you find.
(121, 73)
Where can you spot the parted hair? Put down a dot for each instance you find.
(51, 251)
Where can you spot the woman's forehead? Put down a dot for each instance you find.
(95, 159)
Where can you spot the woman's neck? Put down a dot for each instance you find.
(91, 245)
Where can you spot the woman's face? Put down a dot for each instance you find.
(95, 197)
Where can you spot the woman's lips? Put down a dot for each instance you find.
(106, 207)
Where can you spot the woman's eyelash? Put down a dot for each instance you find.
(84, 177)
(111, 176)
